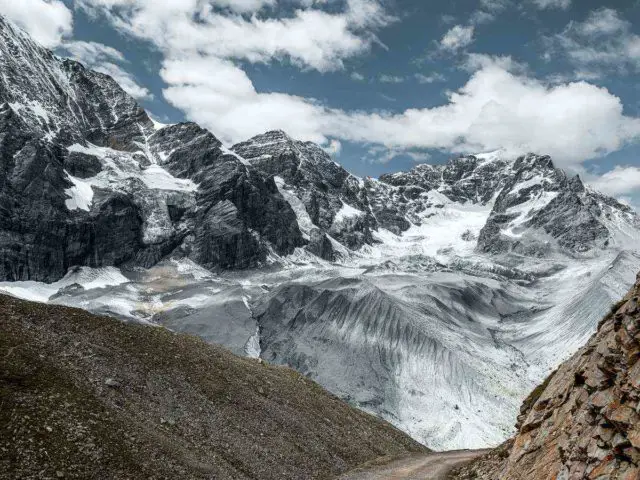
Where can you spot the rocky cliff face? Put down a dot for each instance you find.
(334, 204)
(584, 421)
(88, 179)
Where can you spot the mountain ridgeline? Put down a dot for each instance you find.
(89, 179)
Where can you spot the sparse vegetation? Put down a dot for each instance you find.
(83, 396)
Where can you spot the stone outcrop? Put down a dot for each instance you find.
(88, 179)
(584, 422)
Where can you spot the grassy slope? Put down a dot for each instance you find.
(179, 408)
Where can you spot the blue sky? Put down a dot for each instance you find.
(382, 84)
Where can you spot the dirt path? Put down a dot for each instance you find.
(434, 466)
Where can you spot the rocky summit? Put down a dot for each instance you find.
(433, 298)
(583, 422)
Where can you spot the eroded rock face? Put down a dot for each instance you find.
(584, 423)
(88, 179)
(540, 210)
(334, 199)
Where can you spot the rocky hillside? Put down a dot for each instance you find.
(88, 397)
(584, 421)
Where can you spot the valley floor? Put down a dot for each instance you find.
(432, 466)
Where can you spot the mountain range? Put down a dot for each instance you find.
(434, 298)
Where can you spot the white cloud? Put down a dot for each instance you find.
(622, 180)
(47, 21)
(391, 78)
(545, 4)
(457, 37)
(499, 106)
(477, 61)
(381, 154)
(603, 21)
(489, 11)
(495, 109)
(603, 41)
(92, 52)
(480, 17)
(101, 58)
(431, 78)
(310, 37)
(358, 77)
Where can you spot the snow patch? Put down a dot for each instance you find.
(80, 195)
(347, 211)
(156, 177)
(252, 348)
(158, 125)
(304, 220)
(86, 277)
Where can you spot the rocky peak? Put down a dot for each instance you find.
(60, 99)
(274, 142)
(333, 199)
(112, 188)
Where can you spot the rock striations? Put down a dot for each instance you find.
(584, 421)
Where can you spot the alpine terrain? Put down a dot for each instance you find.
(434, 298)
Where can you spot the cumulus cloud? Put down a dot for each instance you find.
(622, 180)
(500, 106)
(311, 37)
(47, 21)
(102, 58)
(457, 37)
(494, 109)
